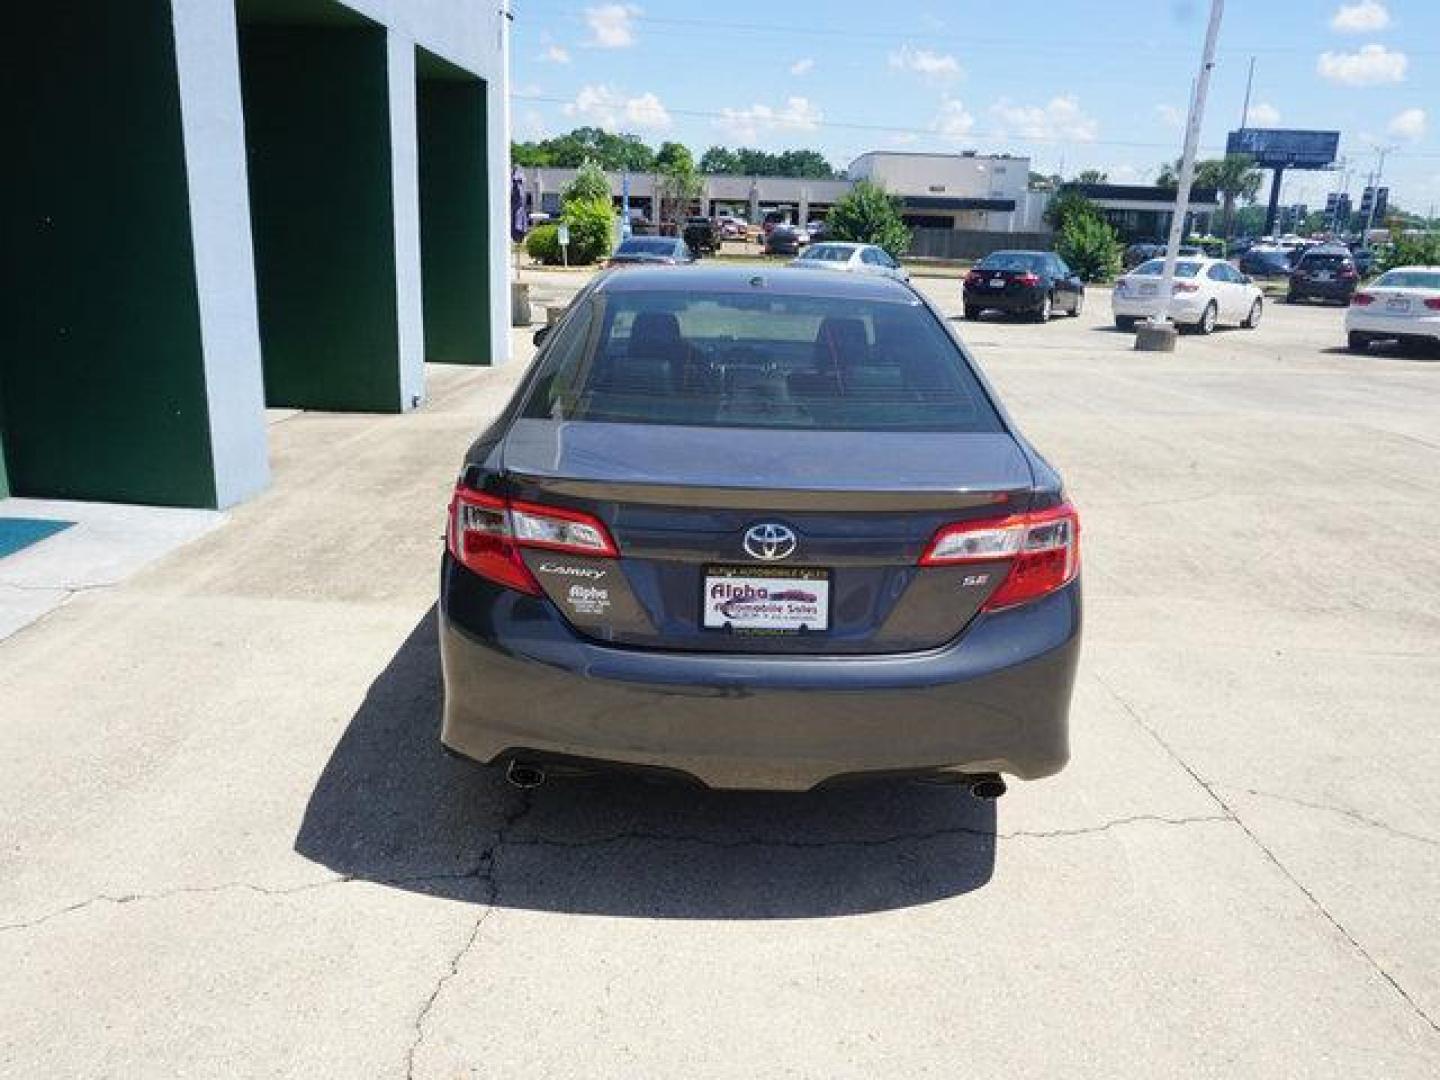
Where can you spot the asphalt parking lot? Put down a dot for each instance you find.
(230, 846)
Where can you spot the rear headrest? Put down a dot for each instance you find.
(655, 333)
(840, 343)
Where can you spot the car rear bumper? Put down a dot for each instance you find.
(1184, 307)
(1325, 290)
(518, 680)
(1023, 299)
(1359, 320)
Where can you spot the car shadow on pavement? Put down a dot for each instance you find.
(391, 808)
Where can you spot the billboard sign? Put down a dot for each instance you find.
(1281, 148)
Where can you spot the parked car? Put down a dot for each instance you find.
(701, 235)
(764, 531)
(1205, 293)
(1325, 272)
(1364, 260)
(1400, 305)
(1136, 254)
(783, 240)
(653, 250)
(732, 228)
(856, 258)
(1034, 283)
(815, 229)
(1266, 262)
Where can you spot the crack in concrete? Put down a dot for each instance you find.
(879, 841)
(1345, 812)
(1285, 871)
(485, 875)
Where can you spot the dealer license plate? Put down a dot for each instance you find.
(1397, 303)
(766, 599)
(1149, 289)
(997, 283)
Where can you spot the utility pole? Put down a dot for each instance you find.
(1374, 185)
(1159, 334)
(1245, 108)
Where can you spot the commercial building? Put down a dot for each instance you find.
(1142, 212)
(957, 192)
(215, 206)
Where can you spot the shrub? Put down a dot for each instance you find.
(1065, 207)
(591, 230)
(866, 215)
(590, 185)
(543, 244)
(1410, 251)
(1090, 246)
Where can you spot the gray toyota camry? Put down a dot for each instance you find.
(764, 530)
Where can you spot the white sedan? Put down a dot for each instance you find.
(1206, 292)
(855, 258)
(1401, 304)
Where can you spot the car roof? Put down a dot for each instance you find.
(789, 281)
(1019, 251)
(1416, 269)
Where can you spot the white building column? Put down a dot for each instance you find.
(405, 193)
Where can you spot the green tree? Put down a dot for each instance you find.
(1405, 250)
(590, 185)
(672, 156)
(1234, 177)
(1092, 176)
(867, 215)
(1068, 205)
(807, 164)
(1089, 244)
(677, 184)
(592, 230)
(719, 159)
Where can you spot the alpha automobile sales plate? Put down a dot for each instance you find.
(766, 598)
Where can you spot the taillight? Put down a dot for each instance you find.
(1361, 299)
(1348, 275)
(487, 533)
(973, 278)
(1043, 548)
(1433, 303)
(1185, 286)
(1028, 278)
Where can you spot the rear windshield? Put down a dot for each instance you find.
(1155, 267)
(829, 253)
(1328, 261)
(1017, 261)
(719, 359)
(1410, 279)
(644, 246)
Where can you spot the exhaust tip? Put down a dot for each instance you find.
(988, 787)
(524, 775)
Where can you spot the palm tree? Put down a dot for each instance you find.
(1233, 177)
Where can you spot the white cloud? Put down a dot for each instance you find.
(531, 126)
(748, 124)
(1409, 124)
(954, 121)
(646, 111)
(1262, 114)
(1171, 115)
(1059, 119)
(1372, 64)
(610, 26)
(932, 65)
(1360, 18)
(802, 67)
(902, 138)
(556, 55)
(606, 107)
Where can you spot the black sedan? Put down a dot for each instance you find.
(1034, 283)
(765, 530)
(651, 251)
(784, 240)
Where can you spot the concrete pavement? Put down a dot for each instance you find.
(229, 845)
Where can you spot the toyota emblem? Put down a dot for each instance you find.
(770, 542)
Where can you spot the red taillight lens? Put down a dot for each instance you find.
(973, 278)
(1348, 275)
(487, 534)
(1028, 278)
(1043, 548)
(1361, 299)
(1433, 303)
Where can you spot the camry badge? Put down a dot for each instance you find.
(770, 542)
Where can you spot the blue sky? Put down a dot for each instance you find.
(1104, 85)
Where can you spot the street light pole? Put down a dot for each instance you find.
(1375, 177)
(1161, 334)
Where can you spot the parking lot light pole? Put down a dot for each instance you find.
(1158, 334)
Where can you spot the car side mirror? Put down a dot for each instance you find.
(540, 335)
